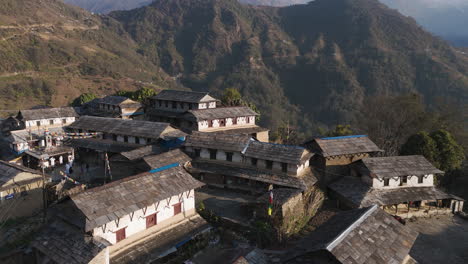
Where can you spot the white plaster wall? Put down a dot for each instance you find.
(212, 105)
(202, 125)
(46, 122)
(221, 155)
(428, 180)
(131, 139)
(242, 120)
(204, 153)
(202, 106)
(237, 157)
(252, 120)
(229, 122)
(138, 222)
(215, 123)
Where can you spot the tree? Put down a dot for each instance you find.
(83, 99)
(450, 154)
(340, 130)
(232, 97)
(421, 144)
(143, 94)
(390, 120)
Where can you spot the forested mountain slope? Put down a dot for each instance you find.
(325, 56)
(51, 52)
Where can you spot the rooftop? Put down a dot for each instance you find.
(25, 135)
(127, 127)
(249, 147)
(361, 195)
(367, 235)
(104, 145)
(98, 206)
(141, 152)
(117, 100)
(303, 182)
(220, 112)
(166, 158)
(64, 244)
(229, 142)
(46, 113)
(387, 167)
(277, 152)
(336, 146)
(184, 96)
(8, 172)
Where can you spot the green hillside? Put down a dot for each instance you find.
(326, 57)
(50, 53)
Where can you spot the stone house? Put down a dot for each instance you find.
(114, 106)
(44, 118)
(126, 212)
(240, 162)
(40, 147)
(181, 101)
(402, 185)
(195, 111)
(366, 235)
(20, 190)
(122, 135)
(333, 155)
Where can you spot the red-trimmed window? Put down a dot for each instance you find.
(177, 208)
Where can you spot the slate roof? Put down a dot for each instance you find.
(361, 195)
(388, 167)
(63, 244)
(219, 112)
(118, 100)
(166, 158)
(249, 147)
(184, 96)
(229, 142)
(8, 171)
(163, 242)
(104, 145)
(142, 152)
(98, 206)
(336, 146)
(241, 130)
(276, 152)
(367, 235)
(127, 127)
(21, 136)
(46, 113)
(303, 182)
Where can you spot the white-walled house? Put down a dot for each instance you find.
(239, 161)
(121, 134)
(114, 106)
(47, 117)
(402, 185)
(148, 202)
(396, 172)
(220, 118)
(181, 101)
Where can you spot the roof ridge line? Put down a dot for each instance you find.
(348, 230)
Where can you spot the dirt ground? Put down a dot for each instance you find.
(225, 203)
(442, 239)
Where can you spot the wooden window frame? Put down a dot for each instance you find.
(179, 206)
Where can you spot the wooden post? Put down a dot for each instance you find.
(44, 195)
